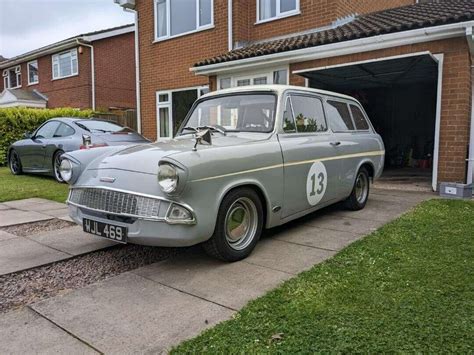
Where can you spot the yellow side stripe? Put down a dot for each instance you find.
(347, 156)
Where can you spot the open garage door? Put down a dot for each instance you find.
(400, 95)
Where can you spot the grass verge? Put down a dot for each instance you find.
(26, 186)
(408, 287)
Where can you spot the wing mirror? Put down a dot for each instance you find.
(27, 135)
(86, 141)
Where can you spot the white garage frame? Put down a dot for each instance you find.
(438, 58)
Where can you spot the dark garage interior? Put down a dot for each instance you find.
(399, 95)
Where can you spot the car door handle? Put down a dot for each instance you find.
(335, 144)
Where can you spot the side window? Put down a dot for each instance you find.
(339, 116)
(308, 114)
(48, 130)
(63, 131)
(359, 118)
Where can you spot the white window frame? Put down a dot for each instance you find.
(28, 71)
(53, 58)
(279, 14)
(168, 22)
(6, 77)
(169, 105)
(254, 75)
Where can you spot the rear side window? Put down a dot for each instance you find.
(359, 118)
(64, 131)
(339, 116)
(304, 114)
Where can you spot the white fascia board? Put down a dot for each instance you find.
(108, 34)
(341, 48)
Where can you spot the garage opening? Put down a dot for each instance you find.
(400, 97)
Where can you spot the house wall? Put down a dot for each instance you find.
(455, 100)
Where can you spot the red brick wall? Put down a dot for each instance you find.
(455, 102)
(115, 72)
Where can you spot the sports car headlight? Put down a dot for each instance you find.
(65, 169)
(168, 178)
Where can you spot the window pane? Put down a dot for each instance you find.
(74, 66)
(161, 22)
(288, 120)
(224, 83)
(182, 103)
(279, 77)
(163, 98)
(359, 118)
(55, 70)
(205, 11)
(65, 64)
(309, 116)
(183, 16)
(260, 81)
(63, 131)
(243, 82)
(13, 78)
(339, 116)
(267, 9)
(33, 72)
(164, 122)
(47, 130)
(287, 5)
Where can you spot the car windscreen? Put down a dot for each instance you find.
(95, 126)
(253, 112)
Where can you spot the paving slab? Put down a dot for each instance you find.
(60, 212)
(26, 332)
(71, 240)
(14, 216)
(5, 236)
(316, 237)
(286, 257)
(21, 253)
(228, 284)
(402, 196)
(335, 222)
(129, 313)
(3, 206)
(377, 210)
(27, 202)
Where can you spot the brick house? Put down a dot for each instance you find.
(409, 63)
(93, 70)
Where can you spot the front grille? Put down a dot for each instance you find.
(118, 202)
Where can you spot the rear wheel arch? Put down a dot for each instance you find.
(369, 166)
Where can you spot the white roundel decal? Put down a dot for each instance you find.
(316, 183)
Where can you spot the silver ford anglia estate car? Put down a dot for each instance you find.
(244, 159)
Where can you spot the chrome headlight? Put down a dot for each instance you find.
(65, 170)
(168, 178)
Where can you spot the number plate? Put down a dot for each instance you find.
(105, 230)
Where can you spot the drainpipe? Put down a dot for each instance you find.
(92, 71)
(229, 25)
(470, 162)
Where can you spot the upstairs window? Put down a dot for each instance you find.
(65, 64)
(273, 9)
(179, 17)
(33, 77)
(12, 77)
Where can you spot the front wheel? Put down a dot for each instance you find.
(14, 163)
(56, 165)
(360, 193)
(238, 228)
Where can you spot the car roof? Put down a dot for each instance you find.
(279, 89)
(74, 119)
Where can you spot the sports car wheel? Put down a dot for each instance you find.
(238, 227)
(14, 163)
(360, 192)
(57, 164)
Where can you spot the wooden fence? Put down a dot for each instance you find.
(126, 118)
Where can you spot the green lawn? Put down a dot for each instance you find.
(26, 186)
(409, 287)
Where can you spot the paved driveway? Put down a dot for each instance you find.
(155, 307)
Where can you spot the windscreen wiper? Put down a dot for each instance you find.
(217, 128)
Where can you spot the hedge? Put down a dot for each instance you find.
(14, 122)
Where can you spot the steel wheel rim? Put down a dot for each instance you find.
(241, 222)
(57, 164)
(361, 187)
(14, 163)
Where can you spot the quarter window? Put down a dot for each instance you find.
(33, 77)
(271, 9)
(63, 131)
(359, 118)
(339, 116)
(12, 77)
(65, 64)
(177, 17)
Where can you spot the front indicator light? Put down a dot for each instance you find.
(179, 214)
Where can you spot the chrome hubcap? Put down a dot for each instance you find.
(241, 223)
(361, 187)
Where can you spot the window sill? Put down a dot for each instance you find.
(32, 84)
(16, 87)
(209, 27)
(289, 14)
(64, 77)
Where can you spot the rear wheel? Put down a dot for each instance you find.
(56, 165)
(14, 163)
(238, 227)
(360, 193)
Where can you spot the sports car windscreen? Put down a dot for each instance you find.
(237, 113)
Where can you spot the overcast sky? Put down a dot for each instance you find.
(29, 24)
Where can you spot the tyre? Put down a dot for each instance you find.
(14, 163)
(56, 165)
(360, 193)
(239, 225)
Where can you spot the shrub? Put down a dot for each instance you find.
(14, 122)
